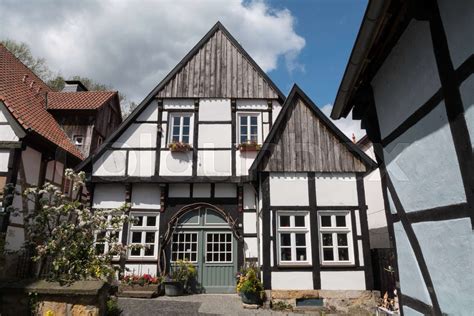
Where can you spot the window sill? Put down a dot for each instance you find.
(294, 265)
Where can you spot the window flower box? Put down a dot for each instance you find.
(179, 147)
(250, 146)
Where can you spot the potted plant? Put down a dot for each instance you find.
(179, 147)
(249, 146)
(140, 283)
(250, 288)
(178, 280)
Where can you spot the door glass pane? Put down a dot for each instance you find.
(219, 247)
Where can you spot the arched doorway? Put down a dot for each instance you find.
(206, 236)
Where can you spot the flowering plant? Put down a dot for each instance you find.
(248, 282)
(179, 147)
(142, 280)
(183, 271)
(249, 146)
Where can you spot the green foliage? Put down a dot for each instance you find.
(249, 282)
(64, 231)
(112, 308)
(281, 306)
(182, 272)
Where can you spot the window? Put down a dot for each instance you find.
(105, 239)
(184, 247)
(180, 128)
(294, 243)
(144, 233)
(335, 237)
(78, 140)
(218, 247)
(248, 128)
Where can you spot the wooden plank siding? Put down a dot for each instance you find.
(306, 144)
(218, 70)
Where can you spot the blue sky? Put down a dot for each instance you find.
(329, 28)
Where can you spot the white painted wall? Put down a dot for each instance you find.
(292, 280)
(342, 280)
(249, 197)
(289, 189)
(244, 161)
(182, 104)
(108, 195)
(214, 110)
(4, 157)
(202, 190)
(225, 190)
(138, 135)
(252, 104)
(31, 161)
(250, 222)
(215, 135)
(176, 164)
(7, 134)
(111, 163)
(336, 189)
(150, 113)
(276, 109)
(214, 163)
(146, 196)
(250, 246)
(141, 163)
(396, 96)
(140, 269)
(179, 190)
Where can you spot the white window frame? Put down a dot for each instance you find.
(219, 252)
(143, 229)
(334, 230)
(77, 143)
(292, 230)
(171, 125)
(259, 126)
(191, 242)
(108, 231)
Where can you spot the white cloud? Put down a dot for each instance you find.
(132, 45)
(348, 126)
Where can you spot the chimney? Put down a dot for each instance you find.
(74, 86)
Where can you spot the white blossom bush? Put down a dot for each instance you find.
(63, 232)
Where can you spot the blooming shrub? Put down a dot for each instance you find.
(248, 282)
(144, 279)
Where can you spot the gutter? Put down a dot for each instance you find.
(365, 38)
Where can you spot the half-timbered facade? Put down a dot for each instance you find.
(186, 161)
(410, 81)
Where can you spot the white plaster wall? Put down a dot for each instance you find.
(164, 141)
(342, 280)
(108, 195)
(49, 171)
(181, 104)
(14, 239)
(138, 135)
(249, 197)
(252, 104)
(289, 189)
(141, 163)
(176, 164)
(244, 161)
(179, 190)
(411, 280)
(292, 280)
(146, 196)
(110, 163)
(407, 78)
(448, 249)
(58, 173)
(31, 161)
(140, 269)
(215, 135)
(361, 252)
(457, 17)
(336, 189)
(202, 190)
(150, 113)
(214, 163)
(4, 157)
(225, 190)
(214, 110)
(250, 223)
(7, 134)
(276, 109)
(412, 171)
(467, 95)
(250, 246)
(265, 131)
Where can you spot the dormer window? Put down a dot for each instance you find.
(78, 140)
(248, 128)
(180, 128)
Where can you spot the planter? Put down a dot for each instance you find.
(249, 147)
(141, 291)
(250, 298)
(173, 288)
(179, 147)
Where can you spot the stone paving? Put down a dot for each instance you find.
(200, 304)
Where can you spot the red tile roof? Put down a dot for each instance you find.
(25, 99)
(84, 100)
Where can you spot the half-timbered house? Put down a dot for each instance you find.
(220, 168)
(409, 80)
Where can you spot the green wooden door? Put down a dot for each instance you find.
(204, 238)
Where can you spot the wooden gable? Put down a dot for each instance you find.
(304, 140)
(218, 67)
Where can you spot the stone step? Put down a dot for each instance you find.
(137, 294)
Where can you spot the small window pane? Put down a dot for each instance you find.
(300, 254)
(342, 239)
(326, 221)
(138, 221)
(150, 237)
(209, 237)
(285, 239)
(253, 120)
(285, 254)
(209, 256)
(176, 120)
(150, 250)
(136, 237)
(100, 236)
(151, 221)
(186, 130)
(186, 120)
(253, 130)
(135, 252)
(229, 257)
(343, 254)
(194, 237)
(100, 249)
(243, 120)
(209, 247)
(185, 139)
(299, 221)
(327, 239)
(216, 257)
(222, 257)
(340, 221)
(328, 254)
(300, 239)
(284, 221)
